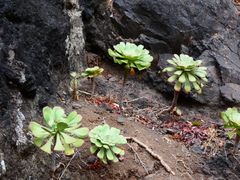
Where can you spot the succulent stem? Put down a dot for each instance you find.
(174, 102)
(93, 86)
(122, 90)
(53, 160)
(236, 143)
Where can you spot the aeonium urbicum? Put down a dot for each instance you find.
(64, 132)
(132, 56)
(106, 142)
(186, 72)
(232, 120)
(91, 73)
(74, 83)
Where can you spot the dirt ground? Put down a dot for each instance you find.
(178, 150)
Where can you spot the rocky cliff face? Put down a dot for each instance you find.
(40, 41)
(207, 30)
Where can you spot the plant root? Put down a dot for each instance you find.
(164, 164)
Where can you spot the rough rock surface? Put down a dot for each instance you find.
(207, 30)
(37, 43)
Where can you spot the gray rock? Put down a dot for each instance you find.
(113, 79)
(76, 106)
(231, 93)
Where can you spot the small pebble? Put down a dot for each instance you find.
(76, 106)
(121, 120)
(113, 79)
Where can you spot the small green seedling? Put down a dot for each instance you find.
(187, 72)
(91, 73)
(74, 83)
(58, 133)
(232, 120)
(106, 140)
(132, 56)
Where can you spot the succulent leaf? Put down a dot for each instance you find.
(115, 159)
(68, 149)
(116, 149)
(187, 86)
(76, 120)
(105, 146)
(58, 146)
(81, 132)
(110, 154)
(169, 69)
(47, 115)
(47, 147)
(178, 72)
(70, 129)
(231, 134)
(93, 149)
(182, 78)
(71, 116)
(61, 126)
(101, 153)
(59, 113)
(68, 139)
(196, 86)
(38, 141)
(96, 142)
(191, 77)
(78, 143)
(177, 86)
(172, 78)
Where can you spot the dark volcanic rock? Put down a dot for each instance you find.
(231, 93)
(32, 41)
(206, 30)
(33, 60)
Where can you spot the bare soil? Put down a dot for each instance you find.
(203, 152)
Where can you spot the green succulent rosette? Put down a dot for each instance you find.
(132, 55)
(232, 120)
(74, 83)
(106, 140)
(92, 72)
(186, 72)
(60, 126)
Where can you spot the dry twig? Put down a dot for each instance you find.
(164, 164)
(67, 165)
(138, 158)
